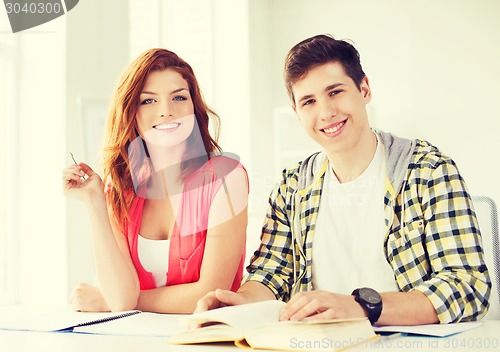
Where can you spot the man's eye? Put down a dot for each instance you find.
(147, 101)
(308, 102)
(335, 92)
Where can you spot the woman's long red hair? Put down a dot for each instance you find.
(121, 127)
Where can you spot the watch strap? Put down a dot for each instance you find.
(373, 310)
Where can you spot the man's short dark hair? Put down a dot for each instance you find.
(319, 50)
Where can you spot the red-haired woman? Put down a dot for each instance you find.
(169, 223)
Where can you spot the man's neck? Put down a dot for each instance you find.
(348, 165)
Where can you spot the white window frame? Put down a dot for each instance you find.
(9, 290)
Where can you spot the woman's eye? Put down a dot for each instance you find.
(179, 98)
(147, 101)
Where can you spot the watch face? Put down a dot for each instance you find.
(369, 295)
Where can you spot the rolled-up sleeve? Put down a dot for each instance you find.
(272, 263)
(459, 284)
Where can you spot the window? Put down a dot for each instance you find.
(8, 205)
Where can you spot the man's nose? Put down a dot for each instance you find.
(327, 109)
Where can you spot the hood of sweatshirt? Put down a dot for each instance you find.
(398, 153)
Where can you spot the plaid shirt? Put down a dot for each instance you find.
(432, 243)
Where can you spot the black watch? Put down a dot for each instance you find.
(370, 300)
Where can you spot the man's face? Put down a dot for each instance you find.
(331, 108)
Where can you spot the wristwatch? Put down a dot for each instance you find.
(370, 300)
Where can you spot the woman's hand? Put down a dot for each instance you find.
(321, 305)
(81, 182)
(88, 298)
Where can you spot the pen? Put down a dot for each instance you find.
(72, 157)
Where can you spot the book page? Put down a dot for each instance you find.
(143, 324)
(328, 335)
(258, 324)
(242, 317)
(211, 333)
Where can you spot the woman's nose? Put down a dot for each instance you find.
(165, 110)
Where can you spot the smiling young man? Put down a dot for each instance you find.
(373, 225)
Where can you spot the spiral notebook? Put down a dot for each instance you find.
(63, 319)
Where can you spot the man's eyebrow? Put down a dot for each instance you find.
(333, 86)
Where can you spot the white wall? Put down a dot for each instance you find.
(97, 53)
(431, 65)
(433, 68)
(40, 150)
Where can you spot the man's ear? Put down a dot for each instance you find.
(365, 89)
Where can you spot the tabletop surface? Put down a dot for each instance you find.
(485, 337)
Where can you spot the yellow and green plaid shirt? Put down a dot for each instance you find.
(433, 243)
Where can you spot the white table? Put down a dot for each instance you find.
(483, 338)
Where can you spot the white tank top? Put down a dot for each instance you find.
(347, 248)
(153, 255)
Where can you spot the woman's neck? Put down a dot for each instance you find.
(166, 158)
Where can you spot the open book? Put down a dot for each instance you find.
(257, 325)
(62, 319)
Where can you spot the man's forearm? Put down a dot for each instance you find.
(406, 308)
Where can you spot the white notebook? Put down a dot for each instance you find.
(436, 330)
(143, 324)
(132, 322)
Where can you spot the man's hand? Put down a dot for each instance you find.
(250, 291)
(321, 305)
(219, 298)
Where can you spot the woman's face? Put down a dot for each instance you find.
(165, 116)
